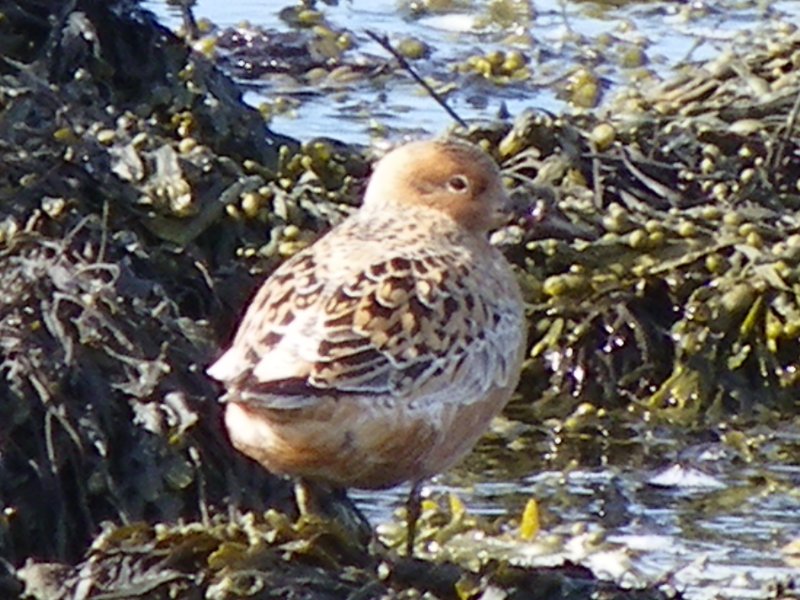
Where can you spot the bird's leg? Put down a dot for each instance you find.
(304, 496)
(413, 509)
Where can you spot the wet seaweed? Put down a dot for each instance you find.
(141, 202)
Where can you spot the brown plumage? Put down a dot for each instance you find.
(379, 354)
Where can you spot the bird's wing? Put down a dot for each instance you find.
(425, 329)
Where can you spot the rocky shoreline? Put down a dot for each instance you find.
(141, 202)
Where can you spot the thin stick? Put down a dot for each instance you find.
(791, 119)
(384, 42)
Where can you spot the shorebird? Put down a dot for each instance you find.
(379, 354)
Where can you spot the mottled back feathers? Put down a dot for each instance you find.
(405, 301)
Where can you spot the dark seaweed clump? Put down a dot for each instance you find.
(104, 331)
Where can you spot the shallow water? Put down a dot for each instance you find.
(694, 515)
(694, 511)
(557, 36)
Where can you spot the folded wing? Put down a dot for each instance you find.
(423, 329)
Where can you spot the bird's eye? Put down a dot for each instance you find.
(458, 184)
